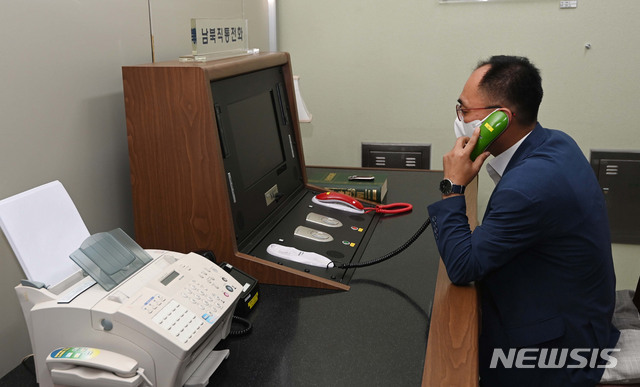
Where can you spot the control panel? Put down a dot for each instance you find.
(179, 297)
(316, 239)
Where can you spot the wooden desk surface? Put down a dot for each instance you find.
(452, 350)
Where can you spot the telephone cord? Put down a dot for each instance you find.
(391, 254)
(247, 324)
(393, 208)
(140, 371)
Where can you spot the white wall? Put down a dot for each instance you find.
(391, 71)
(62, 108)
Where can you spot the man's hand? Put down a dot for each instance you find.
(457, 164)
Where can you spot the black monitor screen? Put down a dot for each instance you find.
(258, 146)
(257, 137)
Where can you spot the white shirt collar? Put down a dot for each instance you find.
(497, 165)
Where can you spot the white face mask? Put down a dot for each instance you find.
(461, 128)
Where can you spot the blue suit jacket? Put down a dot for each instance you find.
(542, 259)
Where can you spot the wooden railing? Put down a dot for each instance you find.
(452, 347)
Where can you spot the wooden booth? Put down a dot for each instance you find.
(217, 164)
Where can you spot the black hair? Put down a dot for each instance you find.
(515, 81)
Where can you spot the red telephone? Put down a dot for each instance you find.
(339, 201)
(347, 203)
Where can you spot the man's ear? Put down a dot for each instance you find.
(509, 113)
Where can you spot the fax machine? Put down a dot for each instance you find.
(156, 327)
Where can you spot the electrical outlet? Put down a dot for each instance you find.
(271, 195)
(568, 4)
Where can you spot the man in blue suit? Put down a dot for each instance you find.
(542, 255)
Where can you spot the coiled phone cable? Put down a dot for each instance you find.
(391, 254)
(393, 208)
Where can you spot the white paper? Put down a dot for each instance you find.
(303, 113)
(43, 228)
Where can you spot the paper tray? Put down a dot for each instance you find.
(110, 257)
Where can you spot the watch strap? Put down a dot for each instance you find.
(457, 189)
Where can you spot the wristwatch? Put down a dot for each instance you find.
(447, 187)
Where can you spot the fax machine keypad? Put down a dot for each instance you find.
(205, 301)
(179, 321)
(206, 295)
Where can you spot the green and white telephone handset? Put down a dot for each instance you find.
(83, 366)
(490, 129)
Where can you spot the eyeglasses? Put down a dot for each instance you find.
(460, 111)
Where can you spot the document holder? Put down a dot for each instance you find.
(110, 257)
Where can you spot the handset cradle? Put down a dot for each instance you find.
(490, 129)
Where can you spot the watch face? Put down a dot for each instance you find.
(445, 186)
